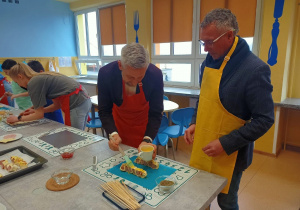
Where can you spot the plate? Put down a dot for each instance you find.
(10, 137)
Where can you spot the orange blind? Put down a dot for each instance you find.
(245, 12)
(113, 25)
(172, 20)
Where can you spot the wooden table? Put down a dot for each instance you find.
(29, 191)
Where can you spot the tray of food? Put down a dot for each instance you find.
(17, 161)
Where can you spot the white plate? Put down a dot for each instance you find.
(15, 136)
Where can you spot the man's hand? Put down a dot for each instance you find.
(114, 142)
(12, 119)
(214, 148)
(189, 134)
(153, 145)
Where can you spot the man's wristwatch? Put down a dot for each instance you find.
(147, 139)
(19, 117)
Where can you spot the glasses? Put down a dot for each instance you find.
(210, 43)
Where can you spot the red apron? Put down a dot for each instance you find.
(65, 104)
(131, 118)
(2, 91)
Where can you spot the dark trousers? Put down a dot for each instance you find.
(230, 201)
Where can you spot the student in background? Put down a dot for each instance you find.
(5, 86)
(22, 102)
(64, 91)
(57, 114)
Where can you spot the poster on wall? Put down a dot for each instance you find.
(65, 62)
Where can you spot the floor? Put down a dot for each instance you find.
(268, 184)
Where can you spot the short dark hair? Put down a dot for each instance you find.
(8, 63)
(36, 66)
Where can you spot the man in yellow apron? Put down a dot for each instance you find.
(235, 105)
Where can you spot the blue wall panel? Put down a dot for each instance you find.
(36, 28)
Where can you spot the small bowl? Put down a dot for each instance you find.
(66, 152)
(165, 184)
(62, 176)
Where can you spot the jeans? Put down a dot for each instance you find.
(79, 114)
(230, 201)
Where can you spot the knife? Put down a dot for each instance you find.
(127, 159)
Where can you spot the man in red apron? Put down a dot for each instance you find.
(130, 98)
(235, 106)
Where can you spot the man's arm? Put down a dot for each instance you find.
(155, 105)
(258, 96)
(105, 102)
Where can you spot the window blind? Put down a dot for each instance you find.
(245, 12)
(113, 25)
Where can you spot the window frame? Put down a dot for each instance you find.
(195, 57)
(101, 57)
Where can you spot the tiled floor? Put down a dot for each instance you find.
(268, 184)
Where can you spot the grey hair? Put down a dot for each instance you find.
(135, 56)
(222, 18)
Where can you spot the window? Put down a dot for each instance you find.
(175, 34)
(101, 34)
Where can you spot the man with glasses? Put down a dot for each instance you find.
(235, 105)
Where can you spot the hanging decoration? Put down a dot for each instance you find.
(273, 51)
(136, 25)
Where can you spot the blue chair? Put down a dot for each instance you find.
(162, 138)
(96, 115)
(94, 124)
(181, 118)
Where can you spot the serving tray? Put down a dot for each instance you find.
(38, 160)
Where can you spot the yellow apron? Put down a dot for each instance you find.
(214, 121)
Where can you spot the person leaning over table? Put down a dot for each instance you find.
(130, 98)
(22, 102)
(65, 93)
(55, 115)
(235, 105)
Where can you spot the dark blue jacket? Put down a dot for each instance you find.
(246, 92)
(110, 92)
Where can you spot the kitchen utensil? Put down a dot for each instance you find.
(146, 152)
(136, 25)
(95, 161)
(62, 176)
(66, 152)
(128, 161)
(165, 184)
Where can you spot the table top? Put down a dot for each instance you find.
(169, 106)
(29, 191)
(292, 103)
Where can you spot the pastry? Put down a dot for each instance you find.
(19, 161)
(11, 167)
(133, 170)
(3, 163)
(152, 163)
